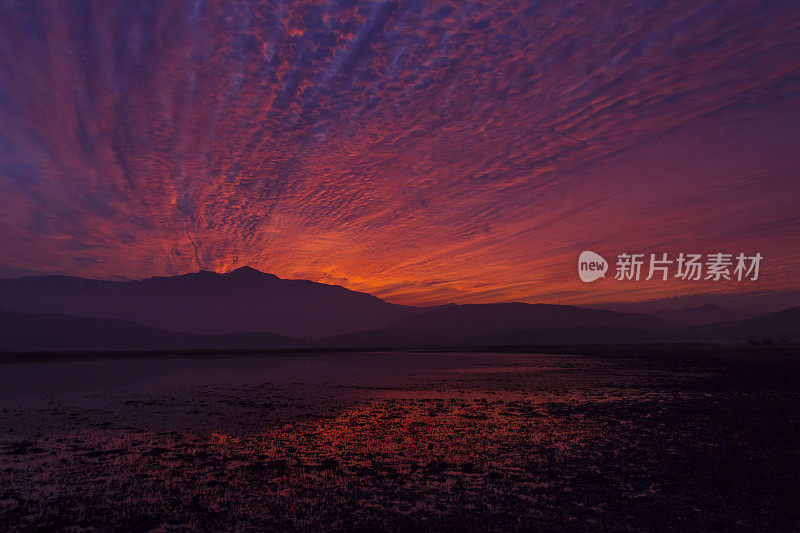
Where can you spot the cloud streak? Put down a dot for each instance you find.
(423, 151)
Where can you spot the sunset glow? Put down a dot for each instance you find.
(424, 152)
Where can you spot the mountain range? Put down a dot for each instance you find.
(208, 303)
(248, 309)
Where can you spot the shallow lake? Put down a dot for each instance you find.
(394, 441)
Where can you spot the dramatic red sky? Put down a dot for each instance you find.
(423, 151)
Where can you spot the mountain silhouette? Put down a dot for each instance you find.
(778, 326)
(519, 324)
(509, 323)
(52, 332)
(248, 309)
(208, 303)
(704, 314)
(485, 318)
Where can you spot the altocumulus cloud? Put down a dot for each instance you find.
(424, 151)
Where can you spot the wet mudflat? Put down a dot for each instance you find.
(395, 442)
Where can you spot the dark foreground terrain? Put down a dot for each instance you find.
(400, 442)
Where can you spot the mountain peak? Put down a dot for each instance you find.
(249, 271)
(245, 269)
(244, 299)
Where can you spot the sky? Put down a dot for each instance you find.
(426, 152)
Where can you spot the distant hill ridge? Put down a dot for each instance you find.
(208, 303)
(52, 332)
(248, 309)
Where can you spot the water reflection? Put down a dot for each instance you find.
(502, 442)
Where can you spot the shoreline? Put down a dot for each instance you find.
(642, 350)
